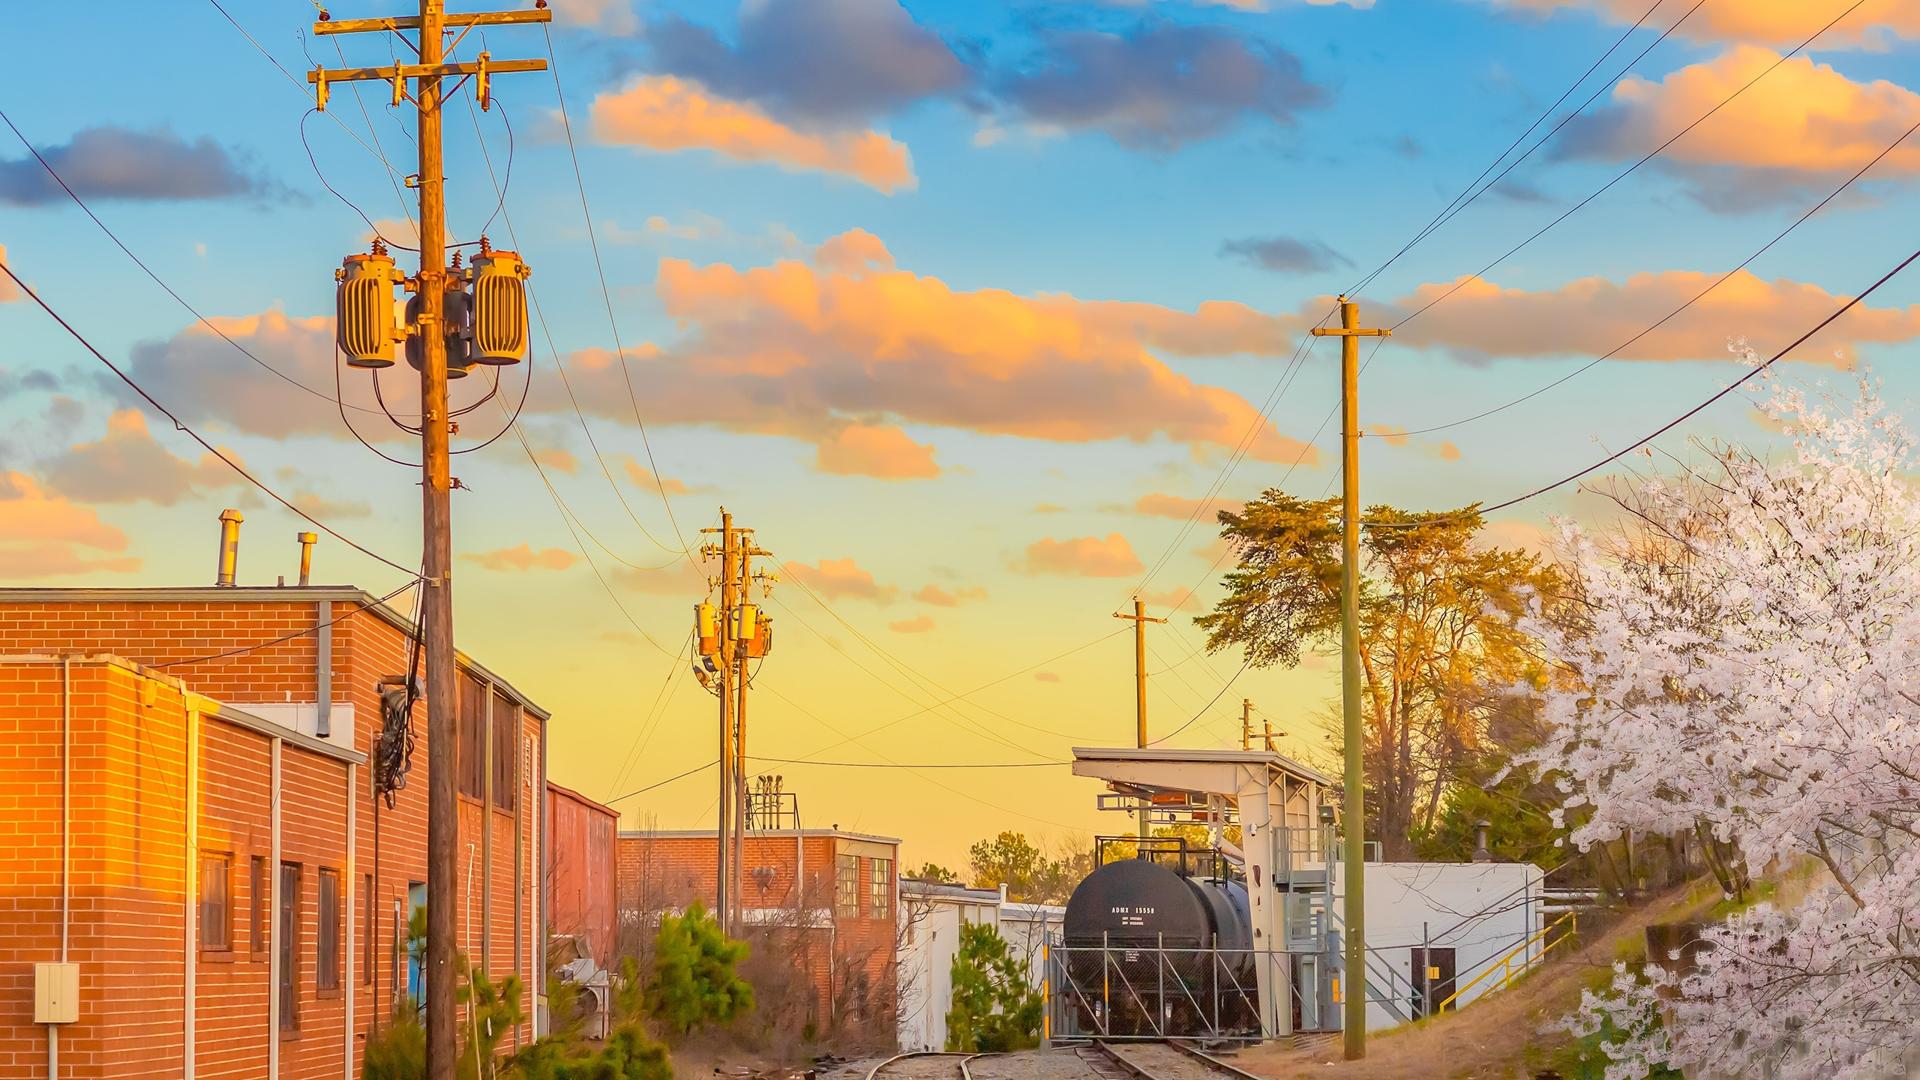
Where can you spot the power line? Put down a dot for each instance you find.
(194, 435)
(663, 783)
(1696, 298)
(606, 295)
(1723, 392)
(914, 765)
(1474, 190)
(1224, 687)
(355, 610)
(157, 280)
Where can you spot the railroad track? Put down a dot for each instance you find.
(1170, 1060)
(923, 1065)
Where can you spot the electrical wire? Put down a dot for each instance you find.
(915, 765)
(350, 204)
(1209, 705)
(1696, 298)
(1473, 191)
(664, 783)
(157, 280)
(606, 293)
(192, 434)
(355, 610)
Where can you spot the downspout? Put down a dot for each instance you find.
(540, 890)
(192, 961)
(487, 795)
(66, 841)
(323, 669)
(519, 874)
(351, 989)
(273, 915)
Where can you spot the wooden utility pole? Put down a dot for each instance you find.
(1140, 621)
(738, 638)
(1354, 813)
(436, 603)
(743, 651)
(1246, 725)
(729, 597)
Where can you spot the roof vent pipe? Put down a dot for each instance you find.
(307, 540)
(1481, 852)
(229, 546)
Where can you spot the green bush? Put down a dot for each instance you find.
(695, 982)
(398, 1051)
(994, 1010)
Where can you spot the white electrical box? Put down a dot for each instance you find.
(56, 993)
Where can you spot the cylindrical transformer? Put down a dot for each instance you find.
(762, 642)
(499, 293)
(363, 309)
(706, 629)
(455, 313)
(744, 618)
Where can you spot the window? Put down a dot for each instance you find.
(880, 886)
(506, 743)
(846, 886)
(473, 743)
(257, 899)
(289, 944)
(366, 892)
(216, 902)
(326, 954)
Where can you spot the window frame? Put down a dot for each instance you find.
(505, 722)
(223, 948)
(846, 885)
(289, 947)
(470, 763)
(327, 935)
(880, 888)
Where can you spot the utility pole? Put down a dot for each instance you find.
(1246, 725)
(1140, 620)
(436, 604)
(729, 596)
(728, 638)
(744, 628)
(1354, 813)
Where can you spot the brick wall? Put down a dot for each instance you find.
(497, 917)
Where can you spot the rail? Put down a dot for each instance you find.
(961, 1061)
(1138, 1060)
(1504, 964)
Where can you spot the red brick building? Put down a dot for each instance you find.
(821, 905)
(190, 818)
(581, 893)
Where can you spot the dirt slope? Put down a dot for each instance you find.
(1497, 1037)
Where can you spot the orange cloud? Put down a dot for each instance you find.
(919, 624)
(1589, 316)
(40, 533)
(1049, 508)
(523, 558)
(556, 458)
(1804, 120)
(839, 578)
(1086, 556)
(1046, 676)
(664, 113)
(127, 464)
(1182, 508)
(939, 597)
(644, 478)
(1773, 22)
(8, 290)
(875, 450)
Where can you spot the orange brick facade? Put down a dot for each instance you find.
(833, 924)
(582, 898)
(134, 849)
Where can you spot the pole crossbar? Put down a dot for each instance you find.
(422, 71)
(412, 22)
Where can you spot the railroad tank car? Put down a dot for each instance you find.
(1153, 951)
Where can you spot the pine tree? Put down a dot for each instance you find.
(695, 979)
(994, 1009)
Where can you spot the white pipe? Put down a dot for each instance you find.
(273, 917)
(192, 966)
(351, 989)
(66, 841)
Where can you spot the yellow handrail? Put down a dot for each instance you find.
(1505, 963)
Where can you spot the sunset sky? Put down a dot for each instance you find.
(965, 307)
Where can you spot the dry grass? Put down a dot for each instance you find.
(1503, 1035)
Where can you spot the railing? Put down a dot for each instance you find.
(1129, 992)
(1568, 924)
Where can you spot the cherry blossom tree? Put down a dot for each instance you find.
(1742, 660)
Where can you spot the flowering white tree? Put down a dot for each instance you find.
(1744, 660)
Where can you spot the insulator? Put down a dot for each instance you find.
(706, 628)
(453, 315)
(363, 310)
(499, 293)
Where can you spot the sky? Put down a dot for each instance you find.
(975, 312)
